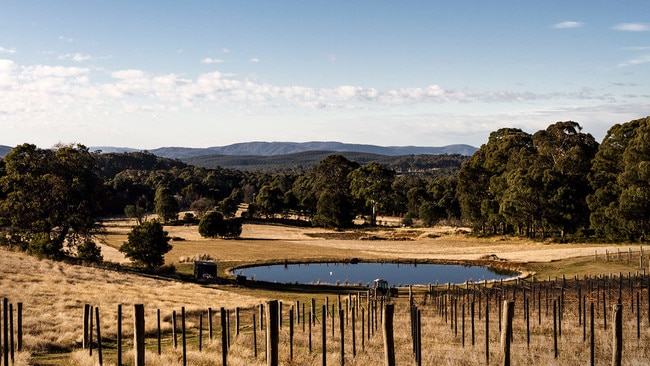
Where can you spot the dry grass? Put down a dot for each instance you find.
(54, 293)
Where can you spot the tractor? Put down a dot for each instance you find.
(382, 289)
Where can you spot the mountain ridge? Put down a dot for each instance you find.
(261, 148)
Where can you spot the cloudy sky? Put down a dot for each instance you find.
(148, 74)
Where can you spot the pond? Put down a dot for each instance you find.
(365, 273)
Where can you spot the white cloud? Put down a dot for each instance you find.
(127, 74)
(76, 57)
(210, 60)
(644, 59)
(254, 60)
(568, 25)
(632, 27)
(67, 39)
(6, 50)
(225, 50)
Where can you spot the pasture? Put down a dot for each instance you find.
(53, 294)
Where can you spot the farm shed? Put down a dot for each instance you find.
(205, 270)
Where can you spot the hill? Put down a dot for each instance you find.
(259, 148)
(301, 161)
(4, 150)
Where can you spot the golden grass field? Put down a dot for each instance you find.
(54, 293)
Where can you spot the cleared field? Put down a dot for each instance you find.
(53, 293)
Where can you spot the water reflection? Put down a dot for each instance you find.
(366, 273)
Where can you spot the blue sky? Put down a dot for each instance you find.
(148, 74)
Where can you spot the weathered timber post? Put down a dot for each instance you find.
(224, 338)
(99, 337)
(389, 342)
(272, 332)
(592, 345)
(254, 336)
(86, 320)
(19, 323)
(138, 334)
(237, 321)
(354, 337)
(324, 336)
(342, 330)
(119, 335)
(158, 332)
(210, 323)
(506, 330)
(617, 341)
(184, 338)
(555, 328)
(291, 333)
(5, 330)
(174, 336)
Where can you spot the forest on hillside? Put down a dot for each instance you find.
(556, 183)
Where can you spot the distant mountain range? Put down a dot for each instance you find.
(259, 148)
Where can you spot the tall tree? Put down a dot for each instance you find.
(166, 205)
(372, 183)
(331, 184)
(147, 245)
(52, 197)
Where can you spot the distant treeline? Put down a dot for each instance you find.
(558, 183)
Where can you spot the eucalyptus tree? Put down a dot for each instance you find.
(372, 183)
(52, 197)
(564, 159)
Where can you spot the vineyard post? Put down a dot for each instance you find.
(291, 333)
(272, 332)
(224, 337)
(555, 328)
(85, 325)
(354, 336)
(174, 337)
(11, 331)
(591, 335)
(20, 326)
(617, 342)
(506, 332)
(487, 330)
(324, 336)
(200, 331)
(389, 345)
(363, 334)
(138, 334)
(342, 330)
(99, 337)
(237, 321)
(119, 335)
(90, 331)
(184, 339)
(254, 336)
(158, 333)
(310, 317)
(210, 323)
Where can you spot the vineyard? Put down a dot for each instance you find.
(553, 321)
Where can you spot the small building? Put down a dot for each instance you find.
(205, 270)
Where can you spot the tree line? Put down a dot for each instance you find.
(556, 183)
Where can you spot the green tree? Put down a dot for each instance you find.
(166, 205)
(372, 183)
(331, 184)
(211, 224)
(147, 245)
(51, 197)
(608, 182)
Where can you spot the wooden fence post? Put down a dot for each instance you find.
(119, 335)
(617, 341)
(84, 344)
(324, 336)
(158, 335)
(272, 332)
(342, 330)
(5, 330)
(138, 335)
(224, 338)
(389, 343)
(184, 339)
(19, 323)
(254, 336)
(506, 330)
(99, 337)
(174, 337)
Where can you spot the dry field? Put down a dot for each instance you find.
(54, 293)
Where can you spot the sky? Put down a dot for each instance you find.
(147, 74)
